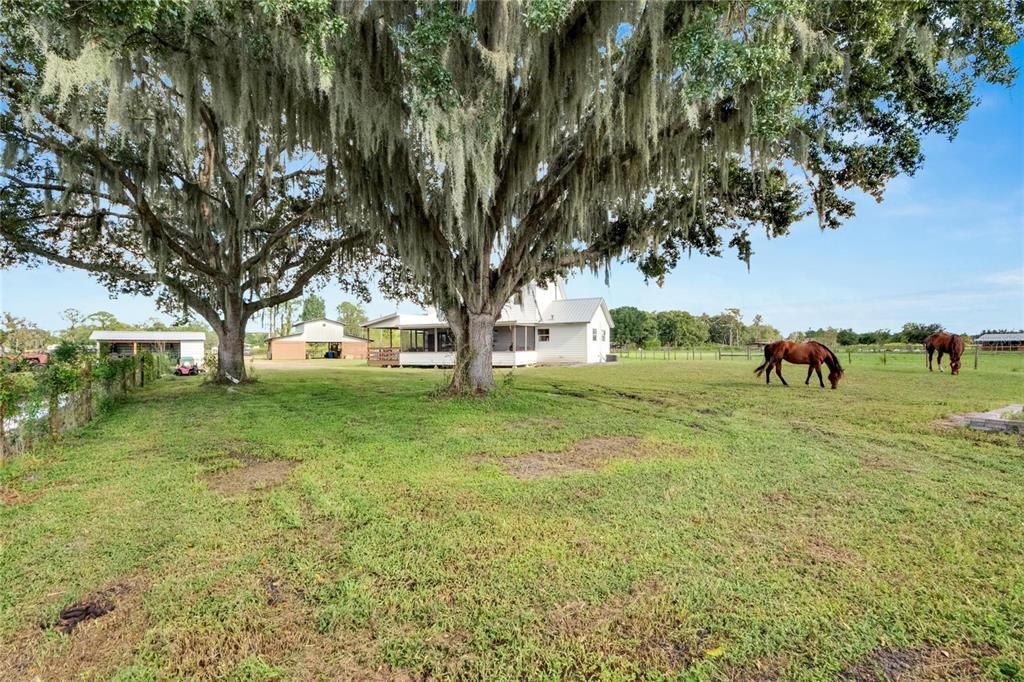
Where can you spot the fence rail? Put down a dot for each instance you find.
(973, 357)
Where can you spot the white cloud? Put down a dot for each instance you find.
(1006, 278)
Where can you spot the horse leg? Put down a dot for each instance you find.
(817, 368)
(810, 370)
(940, 359)
(931, 351)
(778, 372)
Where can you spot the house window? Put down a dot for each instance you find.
(517, 298)
(543, 335)
(594, 333)
(604, 334)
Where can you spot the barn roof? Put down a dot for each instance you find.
(1016, 337)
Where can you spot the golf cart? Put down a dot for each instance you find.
(187, 367)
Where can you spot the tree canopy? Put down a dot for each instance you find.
(351, 315)
(153, 189)
(313, 308)
(488, 144)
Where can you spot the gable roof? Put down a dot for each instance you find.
(575, 310)
(1015, 337)
(404, 321)
(320, 330)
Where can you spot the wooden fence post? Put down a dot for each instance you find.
(885, 353)
(54, 413)
(975, 356)
(87, 389)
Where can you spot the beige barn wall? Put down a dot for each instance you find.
(287, 350)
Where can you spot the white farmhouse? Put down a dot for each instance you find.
(540, 325)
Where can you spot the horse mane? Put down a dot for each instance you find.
(956, 345)
(831, 360)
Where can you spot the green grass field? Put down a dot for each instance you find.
(652, 520)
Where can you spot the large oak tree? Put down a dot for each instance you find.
(490, 143)
(151, 188)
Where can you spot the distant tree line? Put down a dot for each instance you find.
(676, 328)
(645, 329)
(911, 332)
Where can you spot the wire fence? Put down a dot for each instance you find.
(974, 357)
(47, 400)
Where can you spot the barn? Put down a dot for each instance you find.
(1004, 341)
(317, 338)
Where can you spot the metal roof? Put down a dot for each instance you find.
(404, 321)
(1016, 337)
(566, 311)
(574, 310)
(152, 337)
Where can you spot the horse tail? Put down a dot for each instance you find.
(767, 359)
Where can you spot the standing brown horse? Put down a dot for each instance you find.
(944, 342)
(808, 353)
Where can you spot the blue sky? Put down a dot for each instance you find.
(945, 246)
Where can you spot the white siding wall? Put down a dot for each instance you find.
(498, 359)
(597, 351)
(193, 349)
(568, 344)
(424, 359)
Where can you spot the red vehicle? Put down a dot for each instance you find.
(34, 359)
(187, 367)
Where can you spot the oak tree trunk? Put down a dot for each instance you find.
(230, 353)
(474, 339)
(230, 339)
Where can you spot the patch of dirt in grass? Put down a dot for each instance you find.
(280, 630)
(10, 497)
(252, 475)
(589, 454)
(100, 634)
(880, 462)
(761, 670)
(913, 663)
(644, 627)
(780, 498)
(821, 550)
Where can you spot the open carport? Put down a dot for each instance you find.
(175, 345)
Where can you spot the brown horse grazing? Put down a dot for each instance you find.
(808, 353)
(944, 342)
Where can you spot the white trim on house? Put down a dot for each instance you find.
(539, 325)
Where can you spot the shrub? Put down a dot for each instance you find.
(16, 387)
